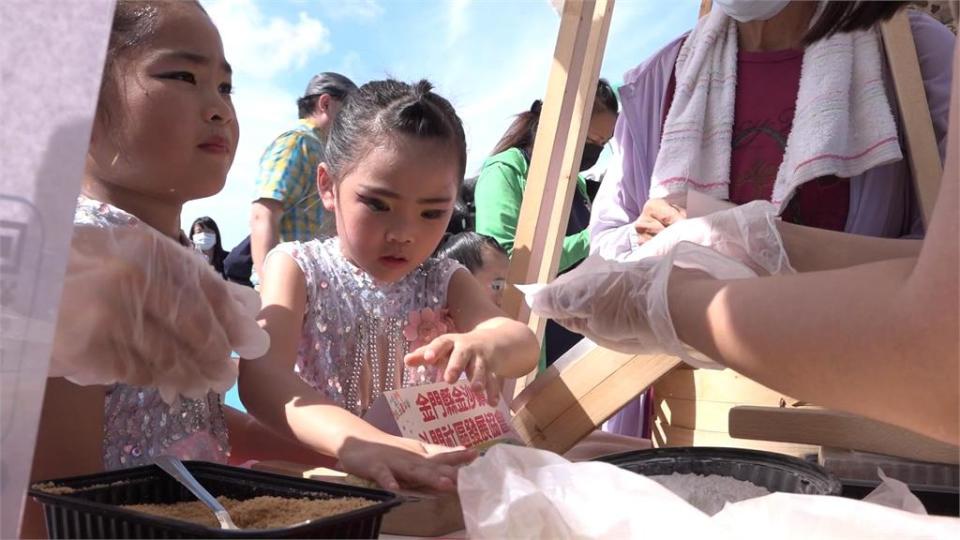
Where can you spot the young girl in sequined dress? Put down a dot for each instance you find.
(135, 303)
(353, 316)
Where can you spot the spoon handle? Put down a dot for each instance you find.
(175, 468)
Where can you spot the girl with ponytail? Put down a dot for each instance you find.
(367, 311)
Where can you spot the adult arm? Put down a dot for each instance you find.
(282, 181)
(265, 217)
(879, 339)
(811, 249)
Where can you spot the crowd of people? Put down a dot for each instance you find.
(360, 287)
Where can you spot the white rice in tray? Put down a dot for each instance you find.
(709, 493)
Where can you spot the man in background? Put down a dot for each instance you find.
(287, 206)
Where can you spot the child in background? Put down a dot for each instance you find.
(484, 258)
(349, 317)
(156, 324)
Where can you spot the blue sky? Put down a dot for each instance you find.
(490, 58)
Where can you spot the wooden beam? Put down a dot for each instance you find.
(563, 406)
(923, 153)
(705, 6)
(810, 425)
(551, 181)
(667, 436)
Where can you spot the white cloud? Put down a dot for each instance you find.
(456, 20)
(261, 46)
(364, 10)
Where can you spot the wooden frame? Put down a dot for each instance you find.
(551, 181)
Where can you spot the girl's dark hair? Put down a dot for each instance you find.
(219, 254)
(379, 109)
(523, 130)
(134, 22)
(467, 249)
(844, 16)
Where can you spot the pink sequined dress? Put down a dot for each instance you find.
(356, 330)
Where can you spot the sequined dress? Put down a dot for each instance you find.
(138, 424)
(354, 325)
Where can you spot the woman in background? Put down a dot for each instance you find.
(206, 239)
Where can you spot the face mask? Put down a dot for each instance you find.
(204, 240)
(751, 10)
(591, 152)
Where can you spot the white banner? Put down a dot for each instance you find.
(52, 57)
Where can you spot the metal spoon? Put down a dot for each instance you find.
(174, 467)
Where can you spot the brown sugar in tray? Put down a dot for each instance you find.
(263, 512)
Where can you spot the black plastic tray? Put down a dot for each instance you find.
(93, 511)
(775, 472)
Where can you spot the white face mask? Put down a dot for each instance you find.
(204, 240)
(751, 10)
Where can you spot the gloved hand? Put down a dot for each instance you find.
(746, 233)
(140, 309)
(622, 305)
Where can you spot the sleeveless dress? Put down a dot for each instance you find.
(356, 330)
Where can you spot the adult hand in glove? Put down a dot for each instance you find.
(746, 233)
(622, 305)
(140, 309)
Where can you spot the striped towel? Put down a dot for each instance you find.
(843, 125)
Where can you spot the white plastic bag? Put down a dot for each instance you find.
(518, 493)
(893, 493)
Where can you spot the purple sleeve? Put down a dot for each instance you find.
(935, 44)
(636, 141)
(617, 204)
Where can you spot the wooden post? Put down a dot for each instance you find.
(552, 179)
(922, 151)
(705, 6)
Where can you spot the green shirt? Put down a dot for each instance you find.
(498, 195)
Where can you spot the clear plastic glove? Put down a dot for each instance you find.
(746, 233)
(140, 309)
(623, 306)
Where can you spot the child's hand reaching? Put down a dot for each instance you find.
(472, 353)
(407, 463)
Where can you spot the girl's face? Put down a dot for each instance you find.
(493, 274)
(393, 206)
(172, 131)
